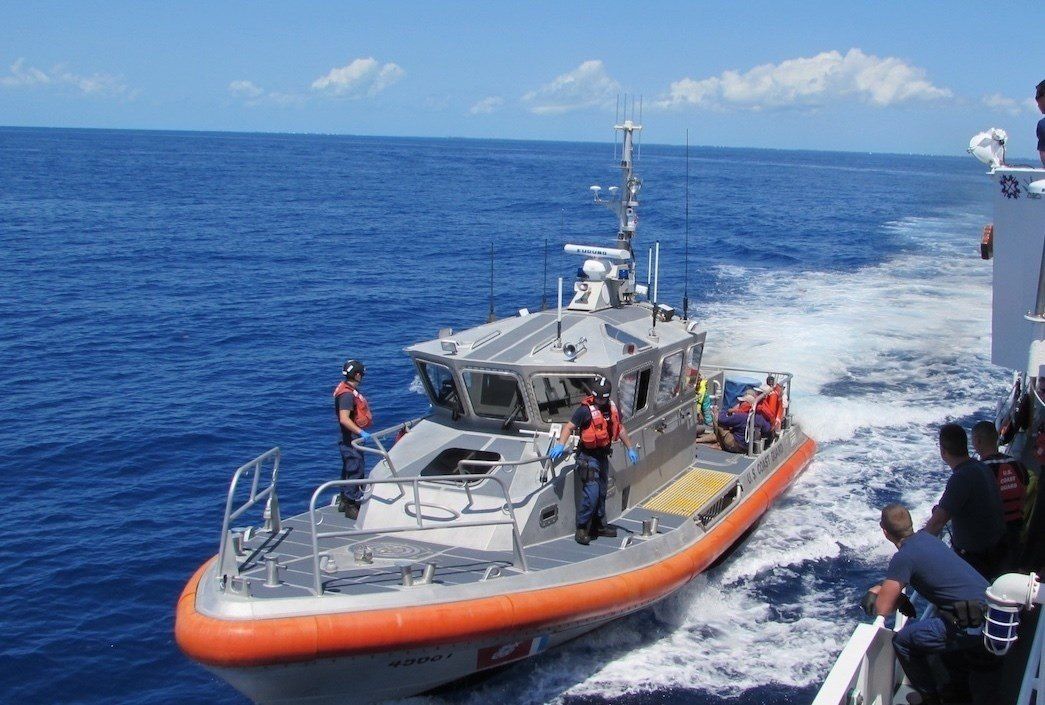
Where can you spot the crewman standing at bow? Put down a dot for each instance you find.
(353, 416)
(599, 424)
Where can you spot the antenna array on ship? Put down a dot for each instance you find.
(607, 277)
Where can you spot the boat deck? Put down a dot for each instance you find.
(673, 505)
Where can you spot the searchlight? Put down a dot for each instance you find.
(989, 147)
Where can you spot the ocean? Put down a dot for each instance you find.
(174, 304)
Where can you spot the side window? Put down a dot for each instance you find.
(633, 391)
(440, 385)
(558, 395)
(670, 378)
(693, 362)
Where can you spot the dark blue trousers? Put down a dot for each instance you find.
(352, 468)
(594, 472)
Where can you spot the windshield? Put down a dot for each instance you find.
(557, 395)
(495, 395)
(440, 385)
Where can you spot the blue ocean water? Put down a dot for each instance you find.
(173, 304)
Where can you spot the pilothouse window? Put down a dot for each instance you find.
(558, 395)
(495, 395)
(634, 389)
(670, 378)
(440, 385)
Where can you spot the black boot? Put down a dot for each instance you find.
(581, 536)
(604, 529)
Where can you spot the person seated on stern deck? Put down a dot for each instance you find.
(972, 503)
(956, 588)
(773, 405)
(731, 424)
(1013, 479)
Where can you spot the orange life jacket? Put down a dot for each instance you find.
(601, 432)
(361, 411)
(772, 406)
(1012, 483)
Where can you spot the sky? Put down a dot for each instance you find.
(907, 77)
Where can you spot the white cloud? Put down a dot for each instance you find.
(487, 105)
(1002, 104)
(21, 76)
(809, 82)
(245, 89)
(361, 77)
(253, 95)
(586, 86)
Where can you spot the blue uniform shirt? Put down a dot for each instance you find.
(935, 571)
(974, 503)
(1041, 135)
(345, 402)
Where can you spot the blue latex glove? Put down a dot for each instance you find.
(633, 455)
(365, 436)
(557, 451)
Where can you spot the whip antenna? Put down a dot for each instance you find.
(685, 259)
(544, 279)
(491, 317)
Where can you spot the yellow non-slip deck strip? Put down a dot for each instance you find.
(690, 492)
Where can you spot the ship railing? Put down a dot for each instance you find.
(226, 551)
(380, 449)
(518, 555)
(867, 670)
(782, 378)
(1032, 688)
(489, 465)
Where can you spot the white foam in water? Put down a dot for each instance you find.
(881, 357)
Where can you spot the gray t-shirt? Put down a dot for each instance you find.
(974, 503)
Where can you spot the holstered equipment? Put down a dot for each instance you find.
(964, 614)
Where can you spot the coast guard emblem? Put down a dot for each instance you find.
(1010, 187)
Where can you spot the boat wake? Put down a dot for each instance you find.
(881, 356)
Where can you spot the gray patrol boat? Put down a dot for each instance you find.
(463, 556)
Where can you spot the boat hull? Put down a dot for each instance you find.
(386, 653)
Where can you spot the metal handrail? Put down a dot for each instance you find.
(519, 557)
(378, 435)
(254, 498)
(1035, 670)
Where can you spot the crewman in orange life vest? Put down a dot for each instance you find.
(599, 423)
(353, 416)
(1013, 481)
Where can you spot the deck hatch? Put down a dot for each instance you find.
(690, 492)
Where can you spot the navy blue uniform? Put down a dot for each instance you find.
(940, 576)
(973, 501)
(593, 465)
(1041, 135)
(352, 465)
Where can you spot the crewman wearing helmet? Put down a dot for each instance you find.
(353, 416)
(599, 424)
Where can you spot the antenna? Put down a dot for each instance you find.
(544, 279)
(491, 317)
(639, 155)
(649, 271)
(558, 320)
(656, 272)
(616, 121)
(685, 259)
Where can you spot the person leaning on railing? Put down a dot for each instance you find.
(925, 563)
